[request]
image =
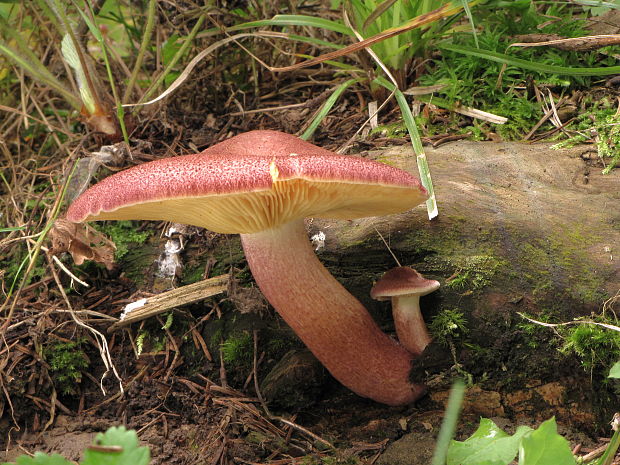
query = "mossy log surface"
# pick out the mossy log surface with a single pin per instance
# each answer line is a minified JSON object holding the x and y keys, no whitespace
{"x":521,"y":229}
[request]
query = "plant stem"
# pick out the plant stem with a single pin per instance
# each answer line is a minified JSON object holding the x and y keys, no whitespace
{"x":146,"y":40}
{"x":177,"y":56}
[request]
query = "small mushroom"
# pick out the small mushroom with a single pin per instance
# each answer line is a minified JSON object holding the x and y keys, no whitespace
{"x":404,"y":286}
{"x":262,"y":184}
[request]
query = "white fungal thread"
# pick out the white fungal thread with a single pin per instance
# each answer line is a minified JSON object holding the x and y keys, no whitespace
{"x":169,"y":262}
{"x":131,"y":307}
{"x":318,"y":240}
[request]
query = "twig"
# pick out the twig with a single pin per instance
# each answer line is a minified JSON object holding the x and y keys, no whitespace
{"x":62,"y":266}
{"x":578,"y":322}
{"x":160,"y":303}
{"x":451,"y":138}
{"x":305,"y":431}
{"x":102,"y":343}
{"x":255,"y":374}
{"x":388,"y":247}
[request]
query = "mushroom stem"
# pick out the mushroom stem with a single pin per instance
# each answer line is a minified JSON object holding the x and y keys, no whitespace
{"x":332,"y":323}
{"x":410,"y":326}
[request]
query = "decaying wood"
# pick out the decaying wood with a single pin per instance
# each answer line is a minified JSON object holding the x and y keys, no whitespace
{"x":522,"y":230}
{"x":502,"y":197}
{"x":174,"y":298}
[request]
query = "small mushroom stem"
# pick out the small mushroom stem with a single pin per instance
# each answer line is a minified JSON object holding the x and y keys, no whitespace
{"x":332,"y":323}
{"x":410,"y":326}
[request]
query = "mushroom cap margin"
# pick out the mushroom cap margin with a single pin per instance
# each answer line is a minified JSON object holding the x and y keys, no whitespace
{"x":249,"y":183}
{"x":400,"y":281}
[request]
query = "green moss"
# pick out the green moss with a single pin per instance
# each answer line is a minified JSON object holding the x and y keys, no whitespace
{"x":150,"y":340}
{"x":238,"y":350}
{"x":601,"y":119}
{"x":560,"y":264}
{"x":548,"y":264}
{"x":217,"y":335}
{"x":228,"y":253}
{"x":67,"y":360}
{"x":192,"y":274}
{"x":598,"y":348}
{"x":392,"y":130}
{"x":277,"y":347}
{"x":329,"y":460}
{"x":470,"y":264}
{"x":474,"y":272}
{"x":138,"y":261}
{"x":16,"y":263}
{"x":386,"y":161}
{"x":125,"y":236}
{"x":448,"y":325}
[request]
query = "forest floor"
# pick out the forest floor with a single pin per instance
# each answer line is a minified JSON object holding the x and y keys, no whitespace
{"x":191,"y":377}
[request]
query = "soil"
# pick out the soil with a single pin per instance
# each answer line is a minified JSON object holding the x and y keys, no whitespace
{"x":190,"y":407}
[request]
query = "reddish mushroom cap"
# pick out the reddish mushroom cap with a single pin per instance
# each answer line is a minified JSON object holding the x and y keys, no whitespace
{"x":400,"y":281}
{"x":251,"y":182}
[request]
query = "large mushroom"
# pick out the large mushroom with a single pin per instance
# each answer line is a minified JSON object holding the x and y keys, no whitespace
{"x":262,"y":184}
{"x":404,"y":286}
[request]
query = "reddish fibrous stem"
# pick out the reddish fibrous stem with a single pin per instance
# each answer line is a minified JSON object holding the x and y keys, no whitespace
{"x":333,"y":324}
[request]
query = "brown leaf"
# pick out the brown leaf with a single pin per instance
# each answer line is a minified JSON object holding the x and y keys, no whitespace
{"x":82,"y":242}
{"x":578,"y":44}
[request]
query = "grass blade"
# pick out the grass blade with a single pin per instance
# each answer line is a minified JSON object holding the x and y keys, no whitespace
{"x":177,"y":56}
{"x":185,"y":74}
{"x":525,"y":64}
{"x":416,"y":142}
{"x":326,"y":107}
{"x":92,"y":26}
{"x":448,"y":425}
{"x":295,"y":20}
{"x":23,"y":57}
{"x":471,"y":21}
{"x":612,"y":448}
{"x":378,"y":11}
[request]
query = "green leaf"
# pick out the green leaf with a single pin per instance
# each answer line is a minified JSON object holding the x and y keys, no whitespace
{"x":170,"y":48}
{"x":489,"y":445}
{"x":545,"y":446}
{"x":40,"y":458}
{"x":129,"y":452}
{"x":615,"y":371}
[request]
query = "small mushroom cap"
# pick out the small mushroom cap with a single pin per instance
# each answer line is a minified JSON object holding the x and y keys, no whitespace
{"x":401,"y":281}
{"x":252,"y":182}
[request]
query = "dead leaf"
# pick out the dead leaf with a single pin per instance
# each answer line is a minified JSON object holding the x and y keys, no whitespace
{"x":579,"y":44}
{"x":82,"y":242}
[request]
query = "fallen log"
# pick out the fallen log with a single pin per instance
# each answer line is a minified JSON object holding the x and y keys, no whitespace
{"x":522,"y":230}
